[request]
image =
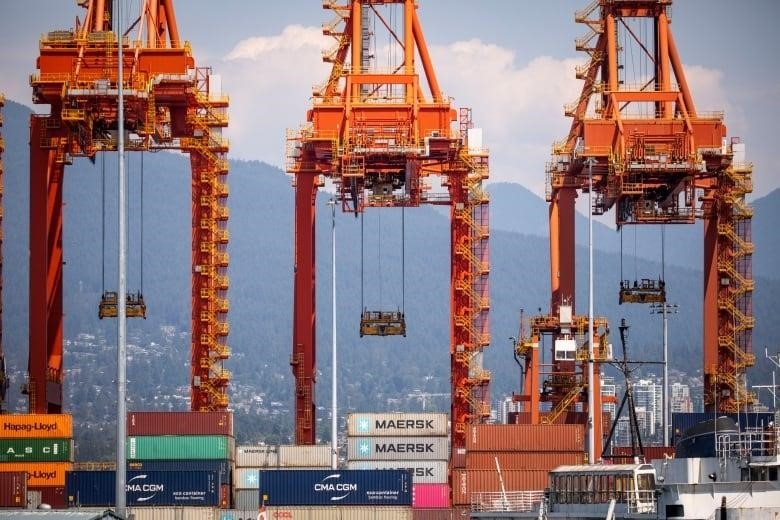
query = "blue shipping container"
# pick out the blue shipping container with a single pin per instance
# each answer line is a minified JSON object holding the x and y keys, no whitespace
{"x":144,"y":488}
{"x":222,"y":467}
{"x":383,"y":487}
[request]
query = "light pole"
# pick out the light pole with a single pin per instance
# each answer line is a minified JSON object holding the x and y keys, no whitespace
{"x":590,"y":161}
{"x":334,"y":417}
{"x":664,"y":309}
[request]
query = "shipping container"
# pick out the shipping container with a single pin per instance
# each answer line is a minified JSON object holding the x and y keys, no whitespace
{"x":304,"y":456}
{"x":397,"y":424}
{"x":523,"y":459}
{"x":246,"y":499}
{"x":436,"y":514}
{"x":47,"y":426}
{"x":53,"y":496}
{"x":179,"y":423}
{"x":13,"y":489}
{"x":36,"y":450}
{"x":41,"y":474}
{"x":180,"y":447}
{"x":623,"y":454}
{"x":175,"y":513}
{"x":459,"y":458}
{"x":222,"y":468}
{"x":423,"y":471}
{"x":430,"y":495}
{"x":336,"y":487}
{"x":468,"y":481}
{"x":569,"y":417}
{"x":165,"y":488}
{"x":257,"y":456}
{"x":525,"y":437}
{"x":398,"y":448}
{"x":317,"y":513}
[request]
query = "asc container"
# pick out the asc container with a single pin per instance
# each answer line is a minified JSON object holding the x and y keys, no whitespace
{"x":525,"y":437}
{"x":423,"y":471}
{"x":36,"y":450}
{"x":398,"y":448}
{"x":468,"y":481}
{"x":13,"y":489}
{"x":221,"y":467}
{"x":180,"y":423}
{"x":41,"y":474}
{"x":304,"y":456}
{"x":336,"y":487}
{"x":50,"y":426}
{"x":176,"y":447}
{"x":148,"y":488}
{"x":257,"y":456}
{"x":397,"y":424}
{"x":430,"y":495}
{"x":316,"y":513}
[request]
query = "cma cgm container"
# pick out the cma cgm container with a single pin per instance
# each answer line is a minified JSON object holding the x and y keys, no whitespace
{"x":180,"y":447}
{"x":41,"y":474}
{"x":423,"y":471}
{"x":51,"y":426}
{"x":36,"y":450}
{"x":179,"y":423}
{"x":397,"y":424}
{"x":147,"y":488}
{"x":336,"y":487}
{"x":13,"y":489}
{"x":398,"y":448}
{"x":525,"y":437}
{"x":317,"y":513}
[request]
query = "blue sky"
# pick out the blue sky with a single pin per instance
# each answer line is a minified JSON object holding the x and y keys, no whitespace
{"x":511,"y":61}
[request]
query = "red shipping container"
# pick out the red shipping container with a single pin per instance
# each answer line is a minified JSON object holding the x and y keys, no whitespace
{"x":523,"y":459}
{"x":13,"y":489}
{"x":526,"y":437}
{"x":468,"y":481}
{"x":179,"y":423}
{"x":54,"y":496}
{"x":430,"y":495}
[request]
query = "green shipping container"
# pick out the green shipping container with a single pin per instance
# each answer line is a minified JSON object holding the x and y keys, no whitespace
{"x":36,"y":450}
{"x":180,"y":447}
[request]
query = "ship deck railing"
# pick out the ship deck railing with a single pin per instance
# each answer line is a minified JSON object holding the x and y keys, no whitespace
{"x":509,"y":501}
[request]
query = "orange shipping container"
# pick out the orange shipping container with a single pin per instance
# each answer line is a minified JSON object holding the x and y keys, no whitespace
{"x":623,"y":453}
{"x":41,"y":474}
{"x":526,"y":437}
{"x":42,"y":426}
{"x":523,"y":459}
{"x":468,"y":481}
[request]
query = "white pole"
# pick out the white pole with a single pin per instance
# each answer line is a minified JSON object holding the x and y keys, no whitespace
{"x":334,"y":416}
{"x":591,"y":394}
{"x":666,"y":400}
{"x":121,"y":426}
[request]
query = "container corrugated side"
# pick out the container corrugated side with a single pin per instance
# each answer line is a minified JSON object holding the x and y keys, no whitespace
{"x":523,"y":459}
{"x":176,"y":513}
{"x":48,"y":426}
{"x":222,"y":467}
{"x":435,"y":514}
{"x":398,"y":448}
{"x":423,"y":471}
{"x":385,"y":487}
{"x":246,"y":500}
{"x":54,"y":496}
{"x":180,"y":423}
{"x":623,"y":453}
{"x":41,"y":474}
{"x":257,"y":456}
{"x":304,"y":456}
{"x":247,"y":478}
{"x":430,"y":495}
{"x":468,"y":481}
{"x":164,"y":488}
{"x":317,"y":513}
{"x":184,"y":447}
{"x":397,"y":424}
{"x":13,"y":489}
{"x":36,"y":450}
{"x":525,"y":437}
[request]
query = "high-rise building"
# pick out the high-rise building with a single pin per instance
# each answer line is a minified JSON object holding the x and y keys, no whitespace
{"x":680,"y":398}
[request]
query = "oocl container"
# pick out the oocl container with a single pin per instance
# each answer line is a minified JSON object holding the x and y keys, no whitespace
{"x":179,"y":423}
{"x":36,"y":450}
{"x":423,"y":471}
{"x":397,"y":424}
{"x":51,"y":426}
{"x":336,"y":487}
{"x":180,"y":447}
{"x":525,"y":437}
{"x":13,"y":489}
{"x":41,"y":474}
{"x":398,"y":448}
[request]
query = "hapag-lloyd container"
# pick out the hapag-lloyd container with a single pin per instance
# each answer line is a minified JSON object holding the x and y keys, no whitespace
{"x":525,"y":437}
{"x":41,"y":474}
{"x":13,"y":489}
{"x":36,"y":450}
{"x":423,"y":471}
{"x":179,"y":423}
{"x":430,"y":495}
{"x":397,"y":424}
{"x":468,"y":481}
{"x":24,"y":426}
{"x":311,"y":513}
{"x":180,"y":447}
{"x":398,"y":448}
{"x":287,"y":487}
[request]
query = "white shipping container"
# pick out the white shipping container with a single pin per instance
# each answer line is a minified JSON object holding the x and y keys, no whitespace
{"x":246,"y":500}
{"x":173,"y":513}
{"x":257,"y":456}
{"x":423,"y":471}
{"x":397,"y":424}
{"x":322,"y":513}
{"x":291,"y":456}
{"x":247,"y":478}
{"x":398,"y":448}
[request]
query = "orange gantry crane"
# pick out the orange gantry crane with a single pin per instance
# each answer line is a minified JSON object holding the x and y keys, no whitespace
{"x":380,"y":137}
{"x":169,"y":104}
{"x":653,"y":157}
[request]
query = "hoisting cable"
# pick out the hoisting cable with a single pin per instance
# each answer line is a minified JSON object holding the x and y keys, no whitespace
{"x":103,"y":223}
{"x":403,"y":259}
{"x":362,"y":261}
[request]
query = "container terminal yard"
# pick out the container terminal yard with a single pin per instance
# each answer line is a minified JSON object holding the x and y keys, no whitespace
{"x":383,"y":139}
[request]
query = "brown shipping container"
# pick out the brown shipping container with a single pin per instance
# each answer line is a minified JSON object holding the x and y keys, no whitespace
{"x":651,"y":452}
{"x":468,"y":481}
{"x":433,"y":514}
{"x":179,"y":423}
{"x":13,"y":489}
{"x":459,"y":458}
{"x":41,"y":474}
{"x":42,"y":426}
{"x":525,"y":437}
{"x":54,"y":496}
{"x":523,"y":459}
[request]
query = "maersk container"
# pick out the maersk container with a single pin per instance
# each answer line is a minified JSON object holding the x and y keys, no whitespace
{"x":49,"y":426}
{"x":180,"y":447}
{"x":257,"y":456}
{"x":291,"y":456}
{"x":222,"y":468}
{"x":398,"y":448}
{"x":336,"y":487}
{"x":397,"y":424}
{"x":36,"y":450}
{"x":147,"y":488}
{"x":423,"y":471}
{"x":316,"y":513}
{"x":13,"y":489}
{"x":180,"y":423}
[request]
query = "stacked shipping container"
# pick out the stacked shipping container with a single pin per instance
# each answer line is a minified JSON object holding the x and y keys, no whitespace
{"x":41,"y":447}
{"x":415,"y":441}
